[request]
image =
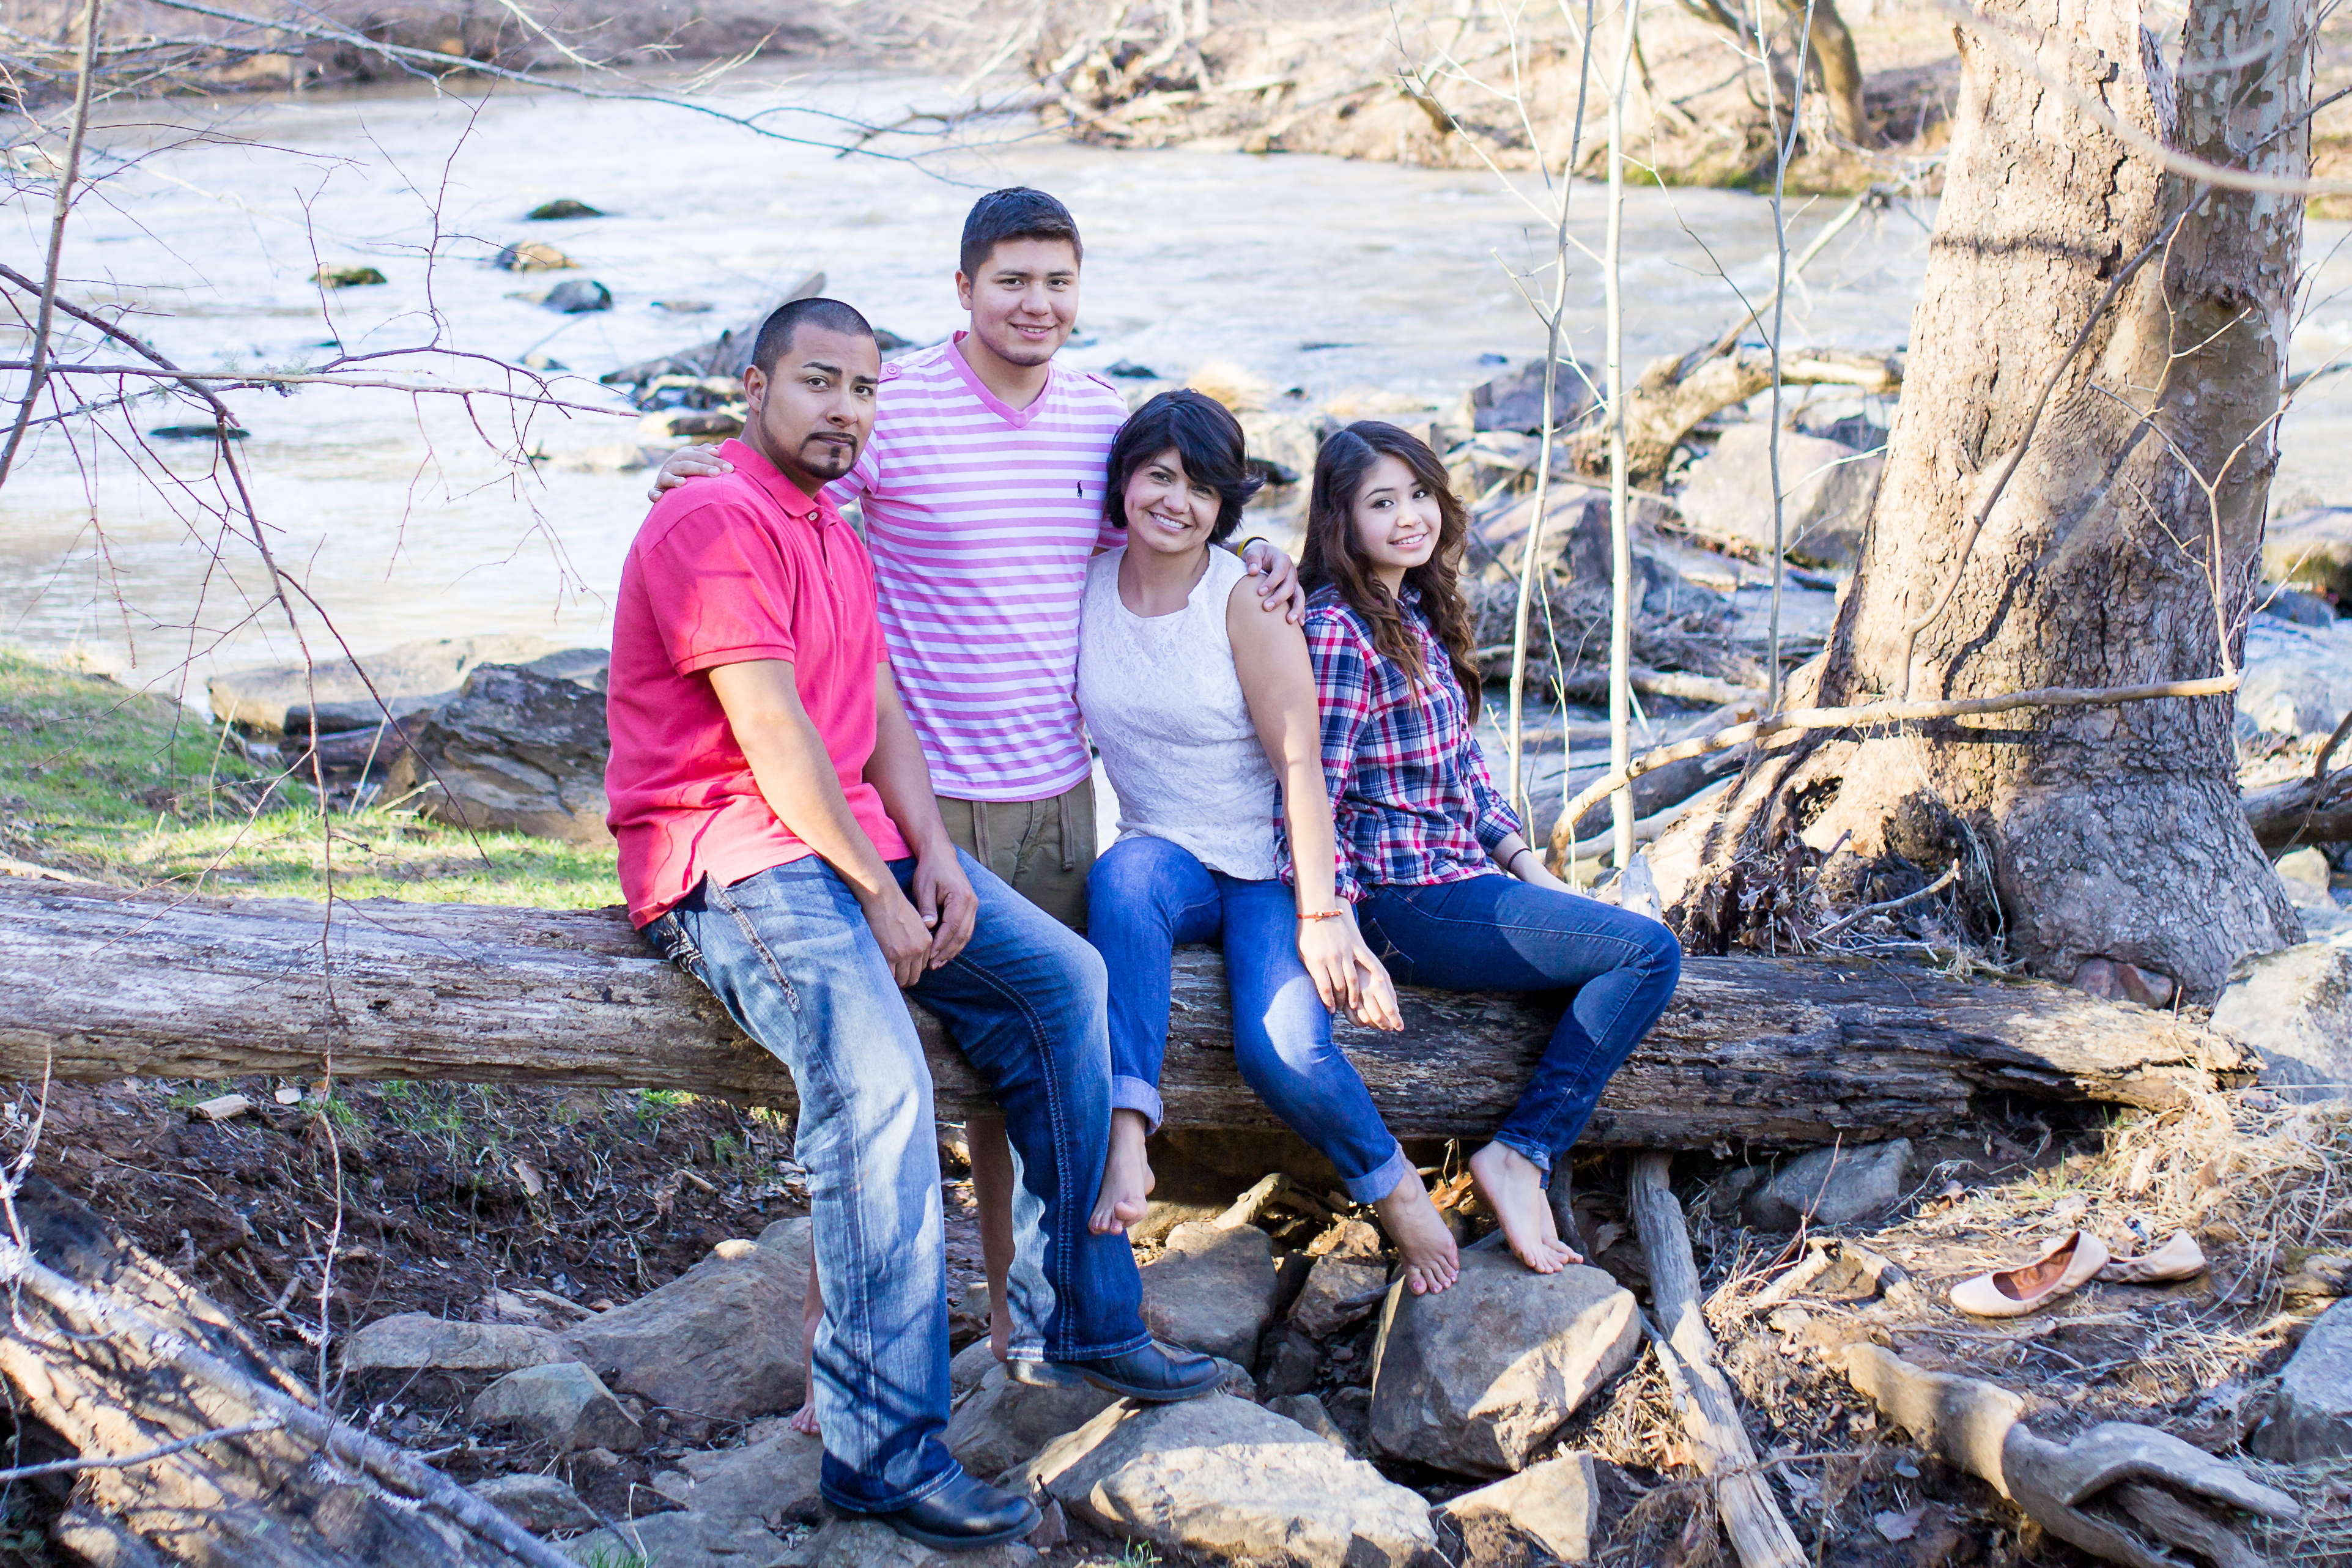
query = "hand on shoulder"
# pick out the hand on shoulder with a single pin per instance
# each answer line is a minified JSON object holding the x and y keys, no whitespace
{"x":689,"y":463}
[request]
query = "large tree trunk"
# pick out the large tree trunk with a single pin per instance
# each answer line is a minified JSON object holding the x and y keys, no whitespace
{"x":2085,"y":833}
{"x":98,"y":983}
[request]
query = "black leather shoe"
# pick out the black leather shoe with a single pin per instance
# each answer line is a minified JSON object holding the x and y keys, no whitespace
{"x":1155,"y":1375}
{"x":965,"y":1515}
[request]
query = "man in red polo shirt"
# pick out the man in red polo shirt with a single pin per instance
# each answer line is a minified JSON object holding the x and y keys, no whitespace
{"x":779,"y":840}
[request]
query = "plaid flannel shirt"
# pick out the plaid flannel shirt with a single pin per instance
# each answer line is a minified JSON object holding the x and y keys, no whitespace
{"x":1410,"y":798}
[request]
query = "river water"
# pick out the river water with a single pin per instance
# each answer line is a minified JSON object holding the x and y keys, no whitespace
{"x":404,"y":517}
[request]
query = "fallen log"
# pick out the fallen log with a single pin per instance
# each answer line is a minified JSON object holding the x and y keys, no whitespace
{"x":194,"y":1446}
{"x":1703,"y":1395}
{"x":100,"y":982}
{"x":2302,"y":811}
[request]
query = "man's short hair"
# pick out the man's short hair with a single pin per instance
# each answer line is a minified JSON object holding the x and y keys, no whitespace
{"x":1014,"y":212}
{"x":775,"y":339}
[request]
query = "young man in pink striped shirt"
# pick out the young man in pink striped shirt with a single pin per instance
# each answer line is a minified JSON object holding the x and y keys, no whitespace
{"x":981,"y":493}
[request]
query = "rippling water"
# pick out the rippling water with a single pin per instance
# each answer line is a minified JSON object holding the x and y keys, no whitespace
{"x":402,"y":521}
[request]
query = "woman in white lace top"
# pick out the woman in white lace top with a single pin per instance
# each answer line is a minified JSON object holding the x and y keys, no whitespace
{"x":1203,"y":708}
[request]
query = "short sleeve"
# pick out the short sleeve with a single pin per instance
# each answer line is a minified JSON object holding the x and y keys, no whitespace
{"x":720,"y":591}
{"x":856,"y":485}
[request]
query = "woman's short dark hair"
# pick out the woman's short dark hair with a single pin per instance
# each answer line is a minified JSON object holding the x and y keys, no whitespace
{"x":1204,"y":435}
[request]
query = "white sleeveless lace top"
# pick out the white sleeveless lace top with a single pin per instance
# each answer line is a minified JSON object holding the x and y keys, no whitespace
{"x":1165,"y":707}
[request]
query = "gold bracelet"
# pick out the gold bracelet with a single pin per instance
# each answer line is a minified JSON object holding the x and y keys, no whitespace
{"x":1323,"y":915}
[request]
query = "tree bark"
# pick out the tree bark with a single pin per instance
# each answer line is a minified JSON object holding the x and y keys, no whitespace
{"x":263,"y":1500}
{"x":1840,"y":69}
{"x":2122,"y":548}
{"x":101,"y":983}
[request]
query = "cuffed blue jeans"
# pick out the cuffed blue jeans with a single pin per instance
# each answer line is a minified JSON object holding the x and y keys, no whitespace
{"x":1146,"y":895}
{"x":1497,"y":933}
{"x":790,"y":954}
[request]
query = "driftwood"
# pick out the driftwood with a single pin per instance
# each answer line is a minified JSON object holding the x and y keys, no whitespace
{"x":1676,"y":393}
{"x":111,"y":1357}
{"x":2302,"y":811}
{"x":1703,"y":1396}
{"x":101,"y":983}
{"x":2126,"y":1492}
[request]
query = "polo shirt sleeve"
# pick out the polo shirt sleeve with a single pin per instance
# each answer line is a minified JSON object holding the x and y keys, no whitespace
{"x":719,"y":590}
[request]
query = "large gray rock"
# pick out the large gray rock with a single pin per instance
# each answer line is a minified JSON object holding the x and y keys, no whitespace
{"x":521,"y":749}
{"x":1308,"y":1411}
{"x":1826,"y":490}
{"x":2312,"y":1418}
{"x":684,"y":1540}
{"x":862,"y":1543}
{"x":1212,"y":1289}
{"x":1338,"y":1292}
{"x":1836,"y":1186}
{"x":541,"y":1504}
{"x":2296,"y":680}
{"x":721,"y":1342}
{"x":1005,"y":1423}
{"x":1474,"y":1379}
{"x":270,"y":700}
{"x":2310,"y":549}
{"x":1554,"y":1506}
{"x":773,"y":1479}
{"x":2294,"y":1007}
{"x":416,"y":1341}
{"x":1231,"y":1480}
{"x":1514,"y":401}
{"x":562,"y":1403}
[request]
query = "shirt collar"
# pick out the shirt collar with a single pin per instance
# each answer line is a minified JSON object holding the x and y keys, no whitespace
{"x":818,"y":511}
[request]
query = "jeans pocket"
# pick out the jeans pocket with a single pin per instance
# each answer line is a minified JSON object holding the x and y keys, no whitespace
{"x":668,"y":937}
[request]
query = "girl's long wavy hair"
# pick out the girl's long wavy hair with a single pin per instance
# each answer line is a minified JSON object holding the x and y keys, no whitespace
{"x":1331,"y":558}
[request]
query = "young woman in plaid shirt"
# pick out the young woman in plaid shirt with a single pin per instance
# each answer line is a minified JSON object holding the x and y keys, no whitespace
{"x":1445,"y":886}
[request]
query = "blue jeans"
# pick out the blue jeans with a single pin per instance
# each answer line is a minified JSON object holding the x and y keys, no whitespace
{"x":1497,"y":933}
{"x":790,"y":953}
{"x":1146,"y":895}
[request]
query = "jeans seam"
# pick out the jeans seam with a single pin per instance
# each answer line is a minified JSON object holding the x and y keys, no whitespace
{"x":1056,"y":1115}
{"x":759,"y":945}
{"x":821,"y":1067}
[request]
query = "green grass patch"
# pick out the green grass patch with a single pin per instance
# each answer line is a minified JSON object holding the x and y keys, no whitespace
{"x":124,"y":787}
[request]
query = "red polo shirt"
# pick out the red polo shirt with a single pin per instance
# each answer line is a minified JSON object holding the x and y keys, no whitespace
{"x":725,"y":571}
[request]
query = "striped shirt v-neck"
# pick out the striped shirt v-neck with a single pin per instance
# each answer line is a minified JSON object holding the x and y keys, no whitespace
{"x":981,"y":520}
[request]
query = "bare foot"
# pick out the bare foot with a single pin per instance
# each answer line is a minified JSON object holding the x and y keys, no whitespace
{"x":804,"y":1419}
{"x":1127,"y":1177}
{"x":1509,"y":1184}
{"x":1424,"y":1246}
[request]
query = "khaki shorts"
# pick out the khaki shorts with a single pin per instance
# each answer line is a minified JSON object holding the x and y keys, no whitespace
{"x":1044,"y":848}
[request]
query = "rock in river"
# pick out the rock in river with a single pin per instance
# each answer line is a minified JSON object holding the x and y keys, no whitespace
{"x":578,"y":297}
{"x":1474,"y":1379}
{"x":520,"y":749}
{"x":1826,"y":491}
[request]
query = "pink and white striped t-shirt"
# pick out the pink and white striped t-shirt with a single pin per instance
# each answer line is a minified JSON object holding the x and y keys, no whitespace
{"x":981,"y":520}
